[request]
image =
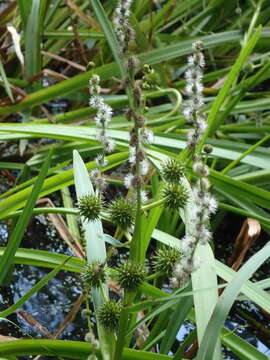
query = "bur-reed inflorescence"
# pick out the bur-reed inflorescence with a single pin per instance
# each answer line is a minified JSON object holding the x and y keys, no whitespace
{"x":123,"y":30}
{"x":172,"y":171}
{"x":175,"y":196}
{"x":203,"y":203}
{"x":102,"y":119}
{"x":109,"y":314}
{"x":94,"y":274}
{"x":122,"y":212}
{"x":166,"y":259}
{"x":130,"y":275}
{"x":90,"y":207}
{"x":139,"y":135}
{"x":194,"y":89}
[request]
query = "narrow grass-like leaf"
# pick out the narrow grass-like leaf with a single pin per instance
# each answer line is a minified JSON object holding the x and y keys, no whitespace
{"x":52,"y":184}
{"x":34,"y":290}
{"x":233,"y":74}
{"x":252,"y":290}
{"x":17,"y":234}
{"x":178,"y":316}
{"x":46,"y":259}
{"x":109,"y":34}
{"x":33,"y":38}
{"x":150,"y":57}
{"x":5,"y":82}
{"x":68,"y":349}
{"x":224,"y":304}
{"x":25,"y":8}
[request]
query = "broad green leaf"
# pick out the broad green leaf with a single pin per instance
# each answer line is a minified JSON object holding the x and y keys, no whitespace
{"x":95,"y":251}
{"x":95,"y":245}
{"x":204,"y":302}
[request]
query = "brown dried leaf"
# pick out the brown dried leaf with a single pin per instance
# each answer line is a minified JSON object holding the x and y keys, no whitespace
{"x":249,"y":232}
{"x":7,"y":338}
{"x":35,"y":324}
{"x":62,"y":228}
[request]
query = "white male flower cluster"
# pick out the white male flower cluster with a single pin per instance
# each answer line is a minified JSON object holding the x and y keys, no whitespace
{"x":137,"y":158}
{"x":123,"y":30}
{"x":103,"y":115}
{"x":194,"y":90}
{"x":102,"y":119}
{"x":204,"y":204}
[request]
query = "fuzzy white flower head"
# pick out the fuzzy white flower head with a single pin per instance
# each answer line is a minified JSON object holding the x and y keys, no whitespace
{"x":191,"y":61}
{"x":205,"y":236}
{"x":104,"y":114}
{"x":187,"y":244}
{"x":144,"y":196}
{"x":101,"y":161}
{"x":96,"y":101}
{"x":98,"y":180}
{"x":212,"y":205}
{"x":128,"y":181}
{"x":202,"y":126}
{"x":199,"y":87}
{"x":121,"y":23}
{"x":179,"y":268}
{"x":94,"y":87}
{"x":188,"y":113}
{"x":144,"y":166}
{"x":200,"y":168}
{"x":132,"y":155}
{"x":109,"y":145}
{"x":147,"y":136}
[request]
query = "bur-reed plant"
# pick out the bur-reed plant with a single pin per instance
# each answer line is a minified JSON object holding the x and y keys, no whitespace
{"x":164,"y":201}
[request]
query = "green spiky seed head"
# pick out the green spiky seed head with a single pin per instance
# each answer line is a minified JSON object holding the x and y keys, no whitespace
{"x":109,"y":314}
{"x":176,"y":196}
{"x":166,"y":259}
{"x":90,"y":207}
{"x":94,"y":273}
{"x":122,"y":213}
{"x":172,"y":171}
{"x":131,"y":275}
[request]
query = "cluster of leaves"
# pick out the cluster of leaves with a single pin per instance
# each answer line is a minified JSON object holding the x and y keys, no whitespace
{"x":237,"y":109}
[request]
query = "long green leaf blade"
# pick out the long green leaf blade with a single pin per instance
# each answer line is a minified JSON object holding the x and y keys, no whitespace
{"x":17,"y":234}
{"x":224,"y":304}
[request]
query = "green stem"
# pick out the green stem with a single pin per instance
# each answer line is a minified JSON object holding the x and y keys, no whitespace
{"x":252,"y":23}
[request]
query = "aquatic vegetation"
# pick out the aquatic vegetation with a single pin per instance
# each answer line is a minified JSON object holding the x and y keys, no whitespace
{"x":160,"y":135}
